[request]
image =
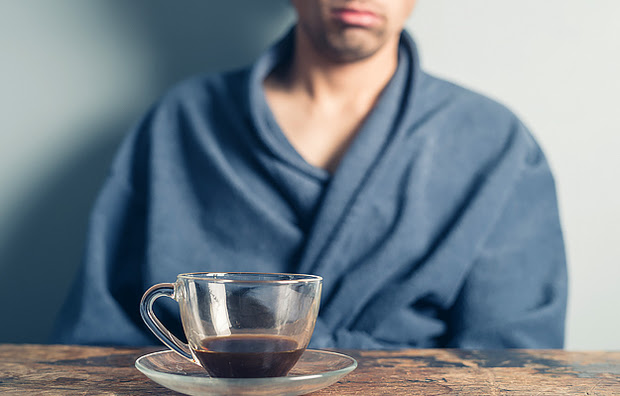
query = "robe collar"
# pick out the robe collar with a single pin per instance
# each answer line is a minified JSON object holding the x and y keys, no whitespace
{"x":384,"y":127}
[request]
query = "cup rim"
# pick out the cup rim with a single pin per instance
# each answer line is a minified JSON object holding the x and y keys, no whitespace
{"x":276,"y":277}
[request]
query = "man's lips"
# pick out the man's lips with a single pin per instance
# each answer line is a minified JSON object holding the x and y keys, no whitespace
{"x":353,"y":17}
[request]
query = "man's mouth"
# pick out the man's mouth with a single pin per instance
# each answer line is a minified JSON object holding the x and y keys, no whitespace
{"x":356,"y":17}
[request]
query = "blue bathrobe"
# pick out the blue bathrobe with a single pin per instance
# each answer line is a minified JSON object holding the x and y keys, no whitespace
{"x":439,"y":227}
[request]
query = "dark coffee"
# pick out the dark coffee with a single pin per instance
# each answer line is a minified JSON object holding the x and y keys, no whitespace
{"x":248,"y":356}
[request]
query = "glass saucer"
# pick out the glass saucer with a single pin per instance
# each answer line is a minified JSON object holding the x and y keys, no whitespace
{"x":315,"y":370}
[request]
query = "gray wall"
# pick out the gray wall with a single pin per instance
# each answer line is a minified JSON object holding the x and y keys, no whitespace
{"x":75,"y":75}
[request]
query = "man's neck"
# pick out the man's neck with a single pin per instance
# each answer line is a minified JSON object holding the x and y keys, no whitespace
{"x":321,"y":104}
{"x":324,"y":81}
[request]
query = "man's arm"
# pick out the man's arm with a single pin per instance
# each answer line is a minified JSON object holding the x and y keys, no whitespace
{"x":110,"y":276}
{"x":515,"y":294}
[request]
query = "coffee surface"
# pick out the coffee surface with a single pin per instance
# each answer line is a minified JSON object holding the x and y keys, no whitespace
{"x":248,"y":356}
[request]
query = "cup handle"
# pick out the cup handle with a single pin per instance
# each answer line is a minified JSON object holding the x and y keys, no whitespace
{"x":164,"y":335}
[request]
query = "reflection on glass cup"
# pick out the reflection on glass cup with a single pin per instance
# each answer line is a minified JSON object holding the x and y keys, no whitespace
{"x":242,"y":325}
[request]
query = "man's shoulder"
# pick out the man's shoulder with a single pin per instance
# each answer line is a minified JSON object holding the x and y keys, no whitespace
{"x":468,"y":120}
{"x":198,"y":105}
{"x":461,"y":101}
{"x":206,"y":87}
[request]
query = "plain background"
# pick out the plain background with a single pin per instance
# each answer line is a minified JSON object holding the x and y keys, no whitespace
{"x":75,"y":75}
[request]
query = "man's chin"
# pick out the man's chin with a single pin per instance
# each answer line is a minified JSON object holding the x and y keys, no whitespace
{"x":353,"y":45}
{"x":350,"y":55}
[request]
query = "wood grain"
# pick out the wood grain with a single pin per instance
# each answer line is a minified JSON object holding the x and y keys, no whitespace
{"x":72,"y":370}
{"x":459,"y":372}
{"x":75,"y":370}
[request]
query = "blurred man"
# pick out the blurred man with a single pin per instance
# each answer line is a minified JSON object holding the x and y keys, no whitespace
{"x":429,"y":210}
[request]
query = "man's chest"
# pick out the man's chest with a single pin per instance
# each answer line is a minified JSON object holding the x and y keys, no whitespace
{"x":321,"y":134}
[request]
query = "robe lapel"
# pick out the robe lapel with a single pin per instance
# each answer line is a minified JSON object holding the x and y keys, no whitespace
{"x":382,"y":129}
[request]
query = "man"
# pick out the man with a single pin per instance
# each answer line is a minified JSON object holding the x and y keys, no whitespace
{"x":429,"y":210}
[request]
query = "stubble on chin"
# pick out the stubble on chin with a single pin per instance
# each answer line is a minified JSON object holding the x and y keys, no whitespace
{"x":344,"y":44}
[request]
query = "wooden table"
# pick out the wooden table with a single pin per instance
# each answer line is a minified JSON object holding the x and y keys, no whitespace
{"x":74,"y":370}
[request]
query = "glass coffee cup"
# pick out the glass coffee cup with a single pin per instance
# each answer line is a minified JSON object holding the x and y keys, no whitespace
{"x":239,"y":325}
